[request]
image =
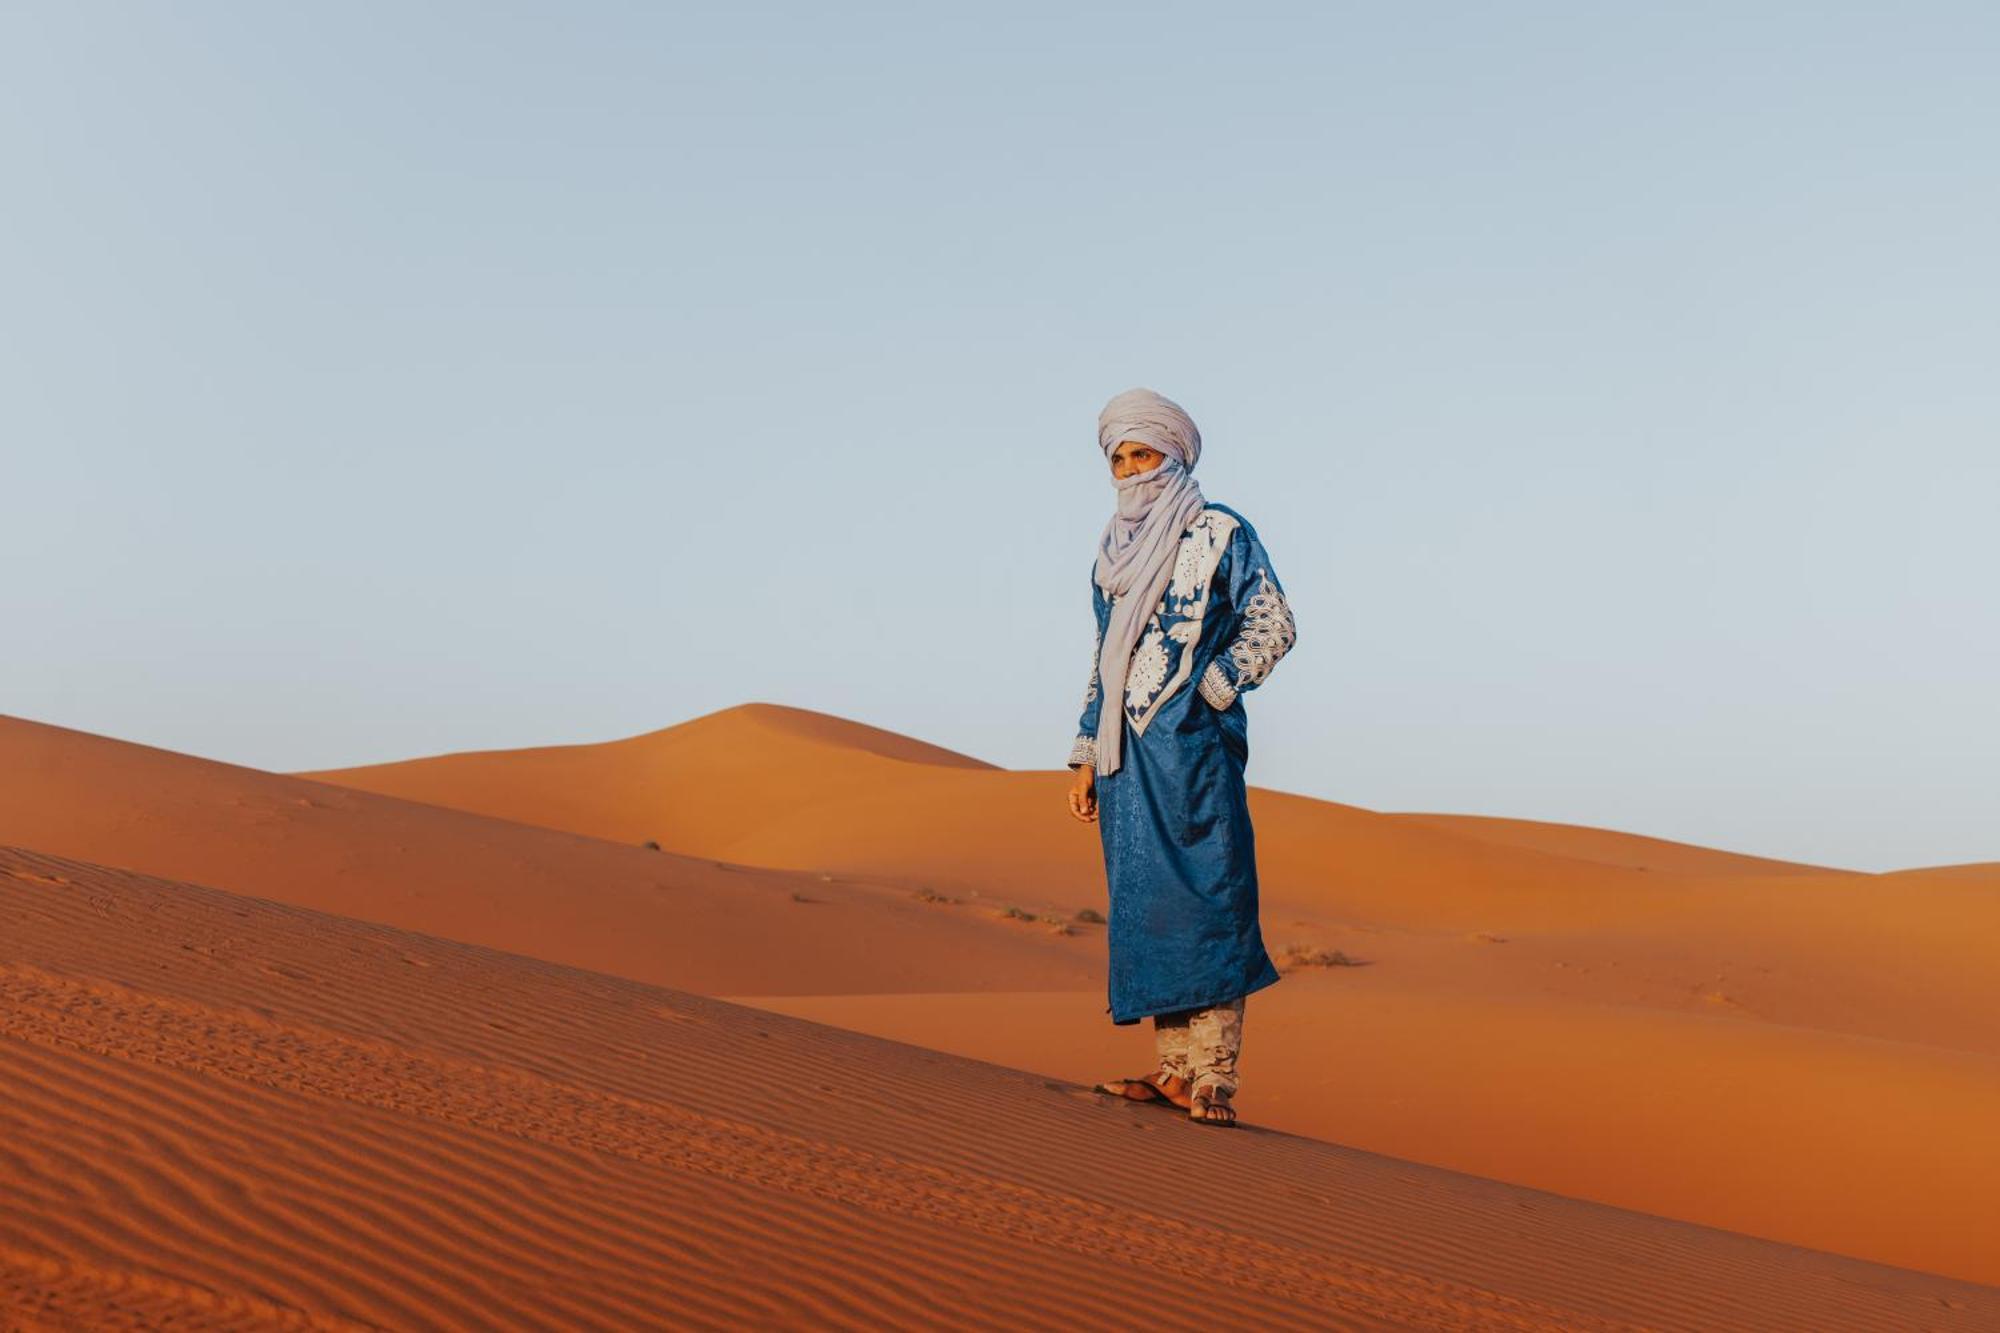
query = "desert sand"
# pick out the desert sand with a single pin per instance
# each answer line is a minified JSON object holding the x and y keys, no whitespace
{"x":455,"y":978}
{"x":1796,"y":1052}
{"x":224,"y":1111}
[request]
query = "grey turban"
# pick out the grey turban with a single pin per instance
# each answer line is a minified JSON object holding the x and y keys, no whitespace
{"x":1150,"y":418}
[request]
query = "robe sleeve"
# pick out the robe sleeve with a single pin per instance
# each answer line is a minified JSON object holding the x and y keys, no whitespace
{"x":1264,"y":630}
{"x":1084,"y":749}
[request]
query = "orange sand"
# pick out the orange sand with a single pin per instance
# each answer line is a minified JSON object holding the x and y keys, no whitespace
{"x":223,"y":1111}
{"x":1803,"y":1054}
{"x":1807,"y":1054}
{"x":652,"y":916}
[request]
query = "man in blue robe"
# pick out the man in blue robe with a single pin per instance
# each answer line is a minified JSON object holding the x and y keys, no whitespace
{"x":1190,"y":618}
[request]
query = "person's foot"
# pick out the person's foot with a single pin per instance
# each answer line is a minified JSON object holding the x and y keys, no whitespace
{"x":1210,"y":1106}
{"x":1158,"y":1086}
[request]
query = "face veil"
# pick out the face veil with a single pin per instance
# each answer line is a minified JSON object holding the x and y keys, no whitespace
{"x":1135,"y":555}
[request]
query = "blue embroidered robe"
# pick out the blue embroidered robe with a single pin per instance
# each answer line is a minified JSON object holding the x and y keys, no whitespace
{"x":1179,"y":854}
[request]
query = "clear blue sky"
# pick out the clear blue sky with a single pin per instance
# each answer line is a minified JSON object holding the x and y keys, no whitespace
{"x":1614,"y":386}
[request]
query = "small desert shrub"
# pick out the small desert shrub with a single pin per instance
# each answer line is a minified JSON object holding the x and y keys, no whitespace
{"x":1012,"y":913}
{"x":1061,"y":927}
{"x":798,"y":897}
{"x":931,"y":896}
{"x":1090,"y":916}
{"x":650,"y":845}
{"x":1305,"y":955}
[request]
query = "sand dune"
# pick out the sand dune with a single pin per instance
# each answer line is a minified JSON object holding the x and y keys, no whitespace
{"x":1979,"y":874}
{"x":701,"y":787}
{"x":1607,"y":847}
{"x":1861,"y":1146}
{"x":783,"y":787}
{"x":221,"y":1111}
{"x":1586,"y":914}
{"x":653,"y":916}
{"x":1758,"y":995}
{"x":1703,"y":1035}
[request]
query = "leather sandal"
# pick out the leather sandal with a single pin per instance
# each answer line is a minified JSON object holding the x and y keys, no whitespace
{"x":1211,"y":1106}
{"x":1156,"y":1088}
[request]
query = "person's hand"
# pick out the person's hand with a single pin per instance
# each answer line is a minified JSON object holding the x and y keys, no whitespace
{"x":1083,"y":794}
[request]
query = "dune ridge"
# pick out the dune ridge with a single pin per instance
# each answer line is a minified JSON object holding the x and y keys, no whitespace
{"x":775,"y":786}
{"x":687,"y":921}
{"x":1611,"y":847}
{"x":1754,"y":993}
{"x":230,"y":1111}
{"x":1630,"y":1021}
{"x":678,"y":785}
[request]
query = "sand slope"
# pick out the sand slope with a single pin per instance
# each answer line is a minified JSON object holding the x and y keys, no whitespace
{"x":1611,"y":848}
{"x":1719,"y":1037}
{"x":1586,"y":915}
{"x":1804,"y":1055}
{"x":784,"y":787}
{"x":1862,"y":1147}
{"x":702,"y":787}
{"x":654,"y":916}
{"x":227,"y":1112}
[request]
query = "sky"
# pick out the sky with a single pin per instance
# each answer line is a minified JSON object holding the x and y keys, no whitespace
{"x":1613,"y":386}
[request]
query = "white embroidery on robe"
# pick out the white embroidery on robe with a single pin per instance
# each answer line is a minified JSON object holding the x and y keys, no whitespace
{"x":1096,"y":650}
{"x":1148,"y":671}
{"x":1084,"y":749}
{"x":1214,"y":686}
{"x":1157,"y":669}
{"x":1267,"y":634}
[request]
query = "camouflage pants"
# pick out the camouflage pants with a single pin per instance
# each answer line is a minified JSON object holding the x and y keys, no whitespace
{"x":1200,"y":1045}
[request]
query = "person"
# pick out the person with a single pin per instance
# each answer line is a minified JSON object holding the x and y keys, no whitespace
{"x":1190,"y":618}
